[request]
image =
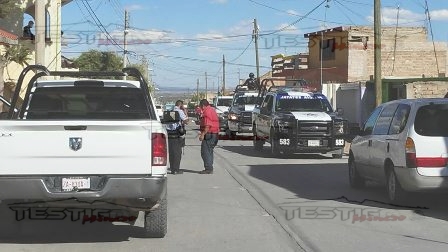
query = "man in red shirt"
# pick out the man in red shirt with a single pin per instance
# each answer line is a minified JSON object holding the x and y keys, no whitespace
{"x":209,"y":135}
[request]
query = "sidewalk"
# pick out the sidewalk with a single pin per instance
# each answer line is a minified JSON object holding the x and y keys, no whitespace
{"x":212,"y":212}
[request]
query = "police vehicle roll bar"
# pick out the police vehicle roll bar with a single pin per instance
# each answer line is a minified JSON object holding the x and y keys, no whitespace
{"x":43,"y":71}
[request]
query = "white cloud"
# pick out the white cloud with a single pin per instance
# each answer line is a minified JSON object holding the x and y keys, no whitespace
{"x":133,"y":7}
{"x":134,"y":37}
{"x":243,"y":27}
{"x":286,"y":28}
{"x":218,"y":1}
{"x":207,"y":50}
{"x":389,"y":17}
{"x":210,"y":35}
{"x":292,"y":12}
{"x":441,"y":14}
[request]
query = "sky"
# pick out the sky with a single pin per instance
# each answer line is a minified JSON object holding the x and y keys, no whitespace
{"x":184,"y":41}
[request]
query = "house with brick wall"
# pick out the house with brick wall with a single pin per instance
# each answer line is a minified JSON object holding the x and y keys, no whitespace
{"x":341,"y":59}
{"x":346,"y":54}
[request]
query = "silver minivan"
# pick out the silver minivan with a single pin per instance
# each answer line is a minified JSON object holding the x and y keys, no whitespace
{"x":404,"y":145}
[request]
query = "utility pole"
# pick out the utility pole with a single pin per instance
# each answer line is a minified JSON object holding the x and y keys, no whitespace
{"x":218,"y":91}
{"x":377,"y":52}
{"x":126,"y":25}
{"x":223,"y":75}
{"x":197,"y":91}
{"x":239,"y":76}
{"x":255,"y":37}
{"x":206,"y":88}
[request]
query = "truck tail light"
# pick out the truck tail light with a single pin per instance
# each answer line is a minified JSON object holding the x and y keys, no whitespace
{"x":159,"y":149}
{"x":411,"y":156}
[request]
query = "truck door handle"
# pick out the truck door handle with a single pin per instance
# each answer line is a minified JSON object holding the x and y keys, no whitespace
{"x":387,"y":147}
{"x":79,"y":127}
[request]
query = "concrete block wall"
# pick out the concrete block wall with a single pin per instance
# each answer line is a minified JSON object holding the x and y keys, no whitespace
{"x":423,"y":89}
{"x":412,"y":55}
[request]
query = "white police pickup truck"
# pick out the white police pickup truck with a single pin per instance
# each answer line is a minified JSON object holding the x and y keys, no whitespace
{"x":86,"y":143}
{"x":298,"y":122}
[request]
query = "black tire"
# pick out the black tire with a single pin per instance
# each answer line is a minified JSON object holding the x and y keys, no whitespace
{"x":395,"y":192}
{"x":356,"y":181}
{"x":258,"y":143}
{"x":275,"y":151}
{"x":230,"y":134}
{"x":156,"y":221}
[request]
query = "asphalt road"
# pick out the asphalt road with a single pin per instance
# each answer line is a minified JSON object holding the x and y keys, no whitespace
{"x":254,"y":202}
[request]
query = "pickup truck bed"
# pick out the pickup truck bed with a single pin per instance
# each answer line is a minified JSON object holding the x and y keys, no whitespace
{"x":82,"y":141}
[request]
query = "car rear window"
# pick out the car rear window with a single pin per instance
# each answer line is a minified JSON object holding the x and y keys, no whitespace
{"x":432,"y":120}
{"x":79,"y":103}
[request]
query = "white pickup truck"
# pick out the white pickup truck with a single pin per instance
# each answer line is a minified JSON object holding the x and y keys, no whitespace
{"x":87,"y":143}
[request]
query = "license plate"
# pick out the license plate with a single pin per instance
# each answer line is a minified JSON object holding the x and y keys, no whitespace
{"x":313,"y":142}
{"x":68,"y":184}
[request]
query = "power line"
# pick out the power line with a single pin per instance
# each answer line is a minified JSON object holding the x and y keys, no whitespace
{"x":241,"y":54}
{"x":350,"y":10}
{"x":432,"y":35}
{"x":395,"y":40}
{"x":200,"y":60}
{"x":295,"y":22}
{"x":293,"y":14}
{"x":99,"y":24}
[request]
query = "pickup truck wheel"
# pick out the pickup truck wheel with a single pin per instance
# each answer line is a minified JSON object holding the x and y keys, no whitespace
{"x":258,"y":143}
{"x":156,"y":221}
{"x":356,"y":181}
{"x":275,"y":151}
{"x":230,"y":134}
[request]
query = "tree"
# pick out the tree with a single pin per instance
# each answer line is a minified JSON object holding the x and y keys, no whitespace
{"x":195,"y":97}
{"x":6,"y":7}
{"x":15,"y":53}
{"x":95,"y":60}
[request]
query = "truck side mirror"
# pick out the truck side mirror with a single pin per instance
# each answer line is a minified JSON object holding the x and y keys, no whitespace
{"x":170,"y":117}
{"x":339,"y":111}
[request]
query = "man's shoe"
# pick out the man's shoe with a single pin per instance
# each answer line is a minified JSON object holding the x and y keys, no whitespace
{"x":173,"y":172}
{"x":206,"y":172}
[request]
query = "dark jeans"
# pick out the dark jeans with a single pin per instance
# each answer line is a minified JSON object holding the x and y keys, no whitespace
{"x":207,"y":147}
{"x":175,"y":152}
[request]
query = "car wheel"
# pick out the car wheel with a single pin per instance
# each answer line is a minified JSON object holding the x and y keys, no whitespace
{"x":356,"y":181}
{"x":395,"y":192}
{"x":156,"y":221}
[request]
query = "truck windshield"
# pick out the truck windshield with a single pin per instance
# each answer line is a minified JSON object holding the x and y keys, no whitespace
{"x":224,"y":102}
{"x":95,"y":103}
{"x":288,"y":103}
{"x":244,"y":100}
